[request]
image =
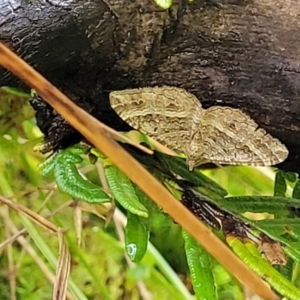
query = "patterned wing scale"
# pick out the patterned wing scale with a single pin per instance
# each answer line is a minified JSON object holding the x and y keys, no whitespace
{"x":232,"y":137}
{"x":160,"y":112}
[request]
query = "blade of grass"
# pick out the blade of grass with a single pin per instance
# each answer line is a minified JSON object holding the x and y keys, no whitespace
{"x":46,"y":251}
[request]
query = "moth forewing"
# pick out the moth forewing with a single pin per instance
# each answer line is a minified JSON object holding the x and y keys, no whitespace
{"x":160,"y":112}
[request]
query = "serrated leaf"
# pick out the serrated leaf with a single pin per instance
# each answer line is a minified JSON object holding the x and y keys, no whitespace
{"x":281,"y":207}
{"x":124,"y":192}
{"x":71,"y":182}
{"x":252,"y":257}
{"x":136,"y":237}
{"x":199,"y":262}
{"x":68,"y":179}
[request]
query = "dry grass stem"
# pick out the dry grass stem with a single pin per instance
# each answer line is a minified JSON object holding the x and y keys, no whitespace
{"x":12,"y":238}
{"x":9,"y":250}
{"x":62,"y":270}
{"x":30,"y":250}
{"x":36,"y":218}
{"x":77,"y":217}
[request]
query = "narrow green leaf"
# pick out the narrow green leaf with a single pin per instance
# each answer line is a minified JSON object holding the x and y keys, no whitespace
{"x":71,"y":182}
{"x":296,"y":191}
{"x":273,"y":277}
{"x":287,"y":270}
{"x":280,"y":184}
{"x":124,"y":191}
{"x":136,"y":237}
{"x":68,"y":178}
{"x":205,"y":185}
{"x":251,"y":256}
{"x":151,"y":206}
{"x":281,"y":207}
{"x":78,"y":149}
{"x":199,"y":262}
{"x":71,"y":154}
{"x":48,"y":165}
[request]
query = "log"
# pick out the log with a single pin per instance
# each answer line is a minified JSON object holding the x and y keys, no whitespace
{"x":238,"y":53}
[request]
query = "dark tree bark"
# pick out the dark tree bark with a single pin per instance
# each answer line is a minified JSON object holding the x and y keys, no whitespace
{"x":238,"y":53}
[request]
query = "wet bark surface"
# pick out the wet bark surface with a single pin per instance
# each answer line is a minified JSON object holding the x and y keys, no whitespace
{"x":238,"y":53}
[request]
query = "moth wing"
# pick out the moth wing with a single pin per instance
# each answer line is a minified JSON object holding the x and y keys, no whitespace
{"x":232,"y":137}
{"x":160,"y":112}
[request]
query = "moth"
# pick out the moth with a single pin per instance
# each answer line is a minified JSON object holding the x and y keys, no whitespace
{"x":176,"y":119}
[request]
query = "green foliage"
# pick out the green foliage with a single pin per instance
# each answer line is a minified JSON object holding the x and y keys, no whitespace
{"x":280,"y":184}
{"x":95,"y":270}
{"x":199,"y":261}
{"x":281,"y":207}
{"x":142,"y":213}
{"x":140,"y":220}
{"x":14,"y":108}
{"x":202,"y":183}
{"x":252,"y":257}
{"x":285,"y":231}
{"x":99,"y":270}
{"x":69,"y":180}
{"x":136,"y":237}
{"x":124,"y":192}
{"x":296,"y":191}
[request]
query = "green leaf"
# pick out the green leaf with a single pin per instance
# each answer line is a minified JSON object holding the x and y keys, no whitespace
{"x":199,"y":261}
{"x":204,"y":185}
{"x":290,"y":176}
{"x":287,"y":270}
{"x":252,"y":257}
{"x":296,"y":190}
{"x":281,"y":207}
{"x":286,"y":231}
{"x":124,"y":191}
{"x":69,"y":180}
{"x":48,"y":165}
{"x":273,"y":277}
{"x":280,"y":184}
{"x":136,"y":237}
